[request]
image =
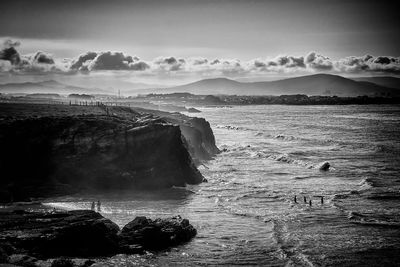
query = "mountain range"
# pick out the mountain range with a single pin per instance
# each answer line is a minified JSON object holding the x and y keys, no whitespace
{"x":318,"y":84}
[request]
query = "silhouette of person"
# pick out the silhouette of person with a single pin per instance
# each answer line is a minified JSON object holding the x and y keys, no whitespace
{"x":93,"y":206}
{"x":322,"y":199}
{"x":310,"y":203}
{"x":295,"y":199}
{"x":305,"y":199}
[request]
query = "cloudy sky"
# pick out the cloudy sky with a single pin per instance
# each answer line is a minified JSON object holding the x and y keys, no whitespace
{"x":173,"y":41}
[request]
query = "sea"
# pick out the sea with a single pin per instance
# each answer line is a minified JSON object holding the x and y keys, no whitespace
{"x":268,"y":202}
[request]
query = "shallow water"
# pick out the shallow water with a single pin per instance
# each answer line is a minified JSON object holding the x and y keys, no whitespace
{"x":246,"y":214}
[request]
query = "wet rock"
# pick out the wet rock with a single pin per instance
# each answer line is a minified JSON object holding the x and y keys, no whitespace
{"x":324,"y":166}
{"x":156,"y":234}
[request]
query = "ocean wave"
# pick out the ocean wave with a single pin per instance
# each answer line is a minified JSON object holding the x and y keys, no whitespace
{"x":384,"y":221}
{"x":284,"y":137}
{"x":287,"y":248}
{"x":367,"y":183}
{"x":323,"y":166}
{"x":235,"y":128}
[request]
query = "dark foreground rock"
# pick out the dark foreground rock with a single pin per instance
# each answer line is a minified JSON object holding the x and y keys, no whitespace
{"x":73,"y":233}
{"x":25,"y":236}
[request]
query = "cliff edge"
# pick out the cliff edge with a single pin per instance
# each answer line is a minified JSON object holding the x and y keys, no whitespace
{"x":56,"y":150}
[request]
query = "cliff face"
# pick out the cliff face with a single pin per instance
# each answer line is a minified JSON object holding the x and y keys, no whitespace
{"x":197,"y":132}
{"x":50,"y":155}
{"x":201,"y":140}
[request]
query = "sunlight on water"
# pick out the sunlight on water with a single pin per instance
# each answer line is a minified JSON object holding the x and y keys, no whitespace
{"x":246,"y":213}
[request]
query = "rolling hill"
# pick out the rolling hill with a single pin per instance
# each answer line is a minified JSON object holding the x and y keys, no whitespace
{"x":318,"y":84}
{"x":386,"y":81}
{"x":50,"y":86}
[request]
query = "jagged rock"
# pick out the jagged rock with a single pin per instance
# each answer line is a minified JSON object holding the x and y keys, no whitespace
{"x":156,"y":234}
{"x":200,"y":138}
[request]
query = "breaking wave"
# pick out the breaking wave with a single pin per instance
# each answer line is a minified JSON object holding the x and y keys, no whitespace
{"x":384,"y":221}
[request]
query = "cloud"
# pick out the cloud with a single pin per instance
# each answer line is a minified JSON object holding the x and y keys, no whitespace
{"x":290,"y":61}
{"x":9,"y":53}
{"x":369,"y":63}
{"x":44,"y":58}
{"x":12,"y":61}
{"x":318,"y":62}
{"x":78,"y":63}
{"x":168,"y":64}
{"x":110,"y":61}
{"x":92,"y":61}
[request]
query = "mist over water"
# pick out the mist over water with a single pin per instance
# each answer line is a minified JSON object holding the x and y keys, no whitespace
{"x":246,"y":214}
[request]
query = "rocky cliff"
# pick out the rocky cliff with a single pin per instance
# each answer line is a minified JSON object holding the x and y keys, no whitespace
{"x":109,"y":149}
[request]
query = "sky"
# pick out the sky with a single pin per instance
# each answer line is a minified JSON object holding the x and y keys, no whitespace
{"x":179,"y":40}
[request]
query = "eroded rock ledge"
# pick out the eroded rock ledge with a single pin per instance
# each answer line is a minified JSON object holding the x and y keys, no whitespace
{"x":84,"y":233}
{"x":52,"y":150}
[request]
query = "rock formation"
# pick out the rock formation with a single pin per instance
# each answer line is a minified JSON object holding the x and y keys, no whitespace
{"x":115,"y":148}
{"x":143,"y":232}
{"x":29,"y":235}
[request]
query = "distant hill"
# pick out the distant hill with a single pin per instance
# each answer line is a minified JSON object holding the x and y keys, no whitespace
{"x":45,"y":87}
{"x":386,"y":81}
{"x":318,"y":84}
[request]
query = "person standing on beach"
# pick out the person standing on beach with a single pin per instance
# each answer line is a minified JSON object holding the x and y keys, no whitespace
{"x":93,"y":206}
{"x":98,"y":206}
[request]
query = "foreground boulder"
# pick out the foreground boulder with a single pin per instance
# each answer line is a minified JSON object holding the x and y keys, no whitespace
{"x":156,"y":234}
{"x":72,"y":233}
{"x":84,"y":233}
